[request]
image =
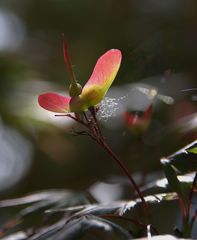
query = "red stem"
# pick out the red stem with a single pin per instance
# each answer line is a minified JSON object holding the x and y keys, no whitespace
{"x":190,"y":197}
{"x":193,"y":219}
{"x":125,"y":170}
{"x":98,"y":137}
{"x":92,"y":110}
{"x":182,"y":207}
{"x":103,"y":144}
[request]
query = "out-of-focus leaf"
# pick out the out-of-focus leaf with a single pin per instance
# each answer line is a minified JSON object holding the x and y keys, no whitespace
{"x":99,"y":209}
{"x":36,"y":197}
{"x":35,"y":206}
{"x":164,"y":237}
{"x":47,"y":232}
{"x":16,"y":236}
{"x":45,"y":200}
{"x":184,"y":160}
{"x":80,"y":219}
{"x":92,"y":225}
{"x":119,"y":207}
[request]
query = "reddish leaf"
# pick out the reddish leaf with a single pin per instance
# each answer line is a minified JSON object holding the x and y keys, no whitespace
{"x":54,"y":102}
{"x":102,"y":77}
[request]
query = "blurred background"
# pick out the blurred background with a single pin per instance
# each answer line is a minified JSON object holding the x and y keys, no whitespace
{"x":158,"y":40}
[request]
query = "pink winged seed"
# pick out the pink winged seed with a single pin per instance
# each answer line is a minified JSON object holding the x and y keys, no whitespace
{"x":54,"y":102}
{"x":102,"y":77}
{"x":94,"y":90}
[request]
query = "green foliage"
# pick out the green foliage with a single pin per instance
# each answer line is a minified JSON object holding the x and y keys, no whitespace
{"x":192,"y":150}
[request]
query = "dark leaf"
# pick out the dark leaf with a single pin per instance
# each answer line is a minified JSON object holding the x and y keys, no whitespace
{"x":87,"y":225}
{"x":171,"y":176}
{"x":184,"y":160}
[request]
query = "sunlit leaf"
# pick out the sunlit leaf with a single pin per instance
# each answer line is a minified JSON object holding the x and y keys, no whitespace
{"x":52,"y":195}
{"x":119,"y":207}
{"x":161,"y":185}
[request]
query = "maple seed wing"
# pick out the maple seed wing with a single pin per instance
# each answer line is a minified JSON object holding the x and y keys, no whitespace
{"x":102,"y":77}
{"x":54,"y":102}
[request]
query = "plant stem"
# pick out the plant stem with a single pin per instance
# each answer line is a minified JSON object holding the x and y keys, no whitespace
{"x":96,"y":134}
{"x":188,"y":223}
{"x":191,"y":196}
{"x":125,"y":170}
{"x":193,"y":219}
{"x":100,"y":140}
{"x":92,"y":110}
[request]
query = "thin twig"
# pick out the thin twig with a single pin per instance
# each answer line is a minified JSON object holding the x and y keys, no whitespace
{"x":182,"y":207}
{"x":93,"y":113}
{"x":125,"y":170}
{"x":91,"y":126}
